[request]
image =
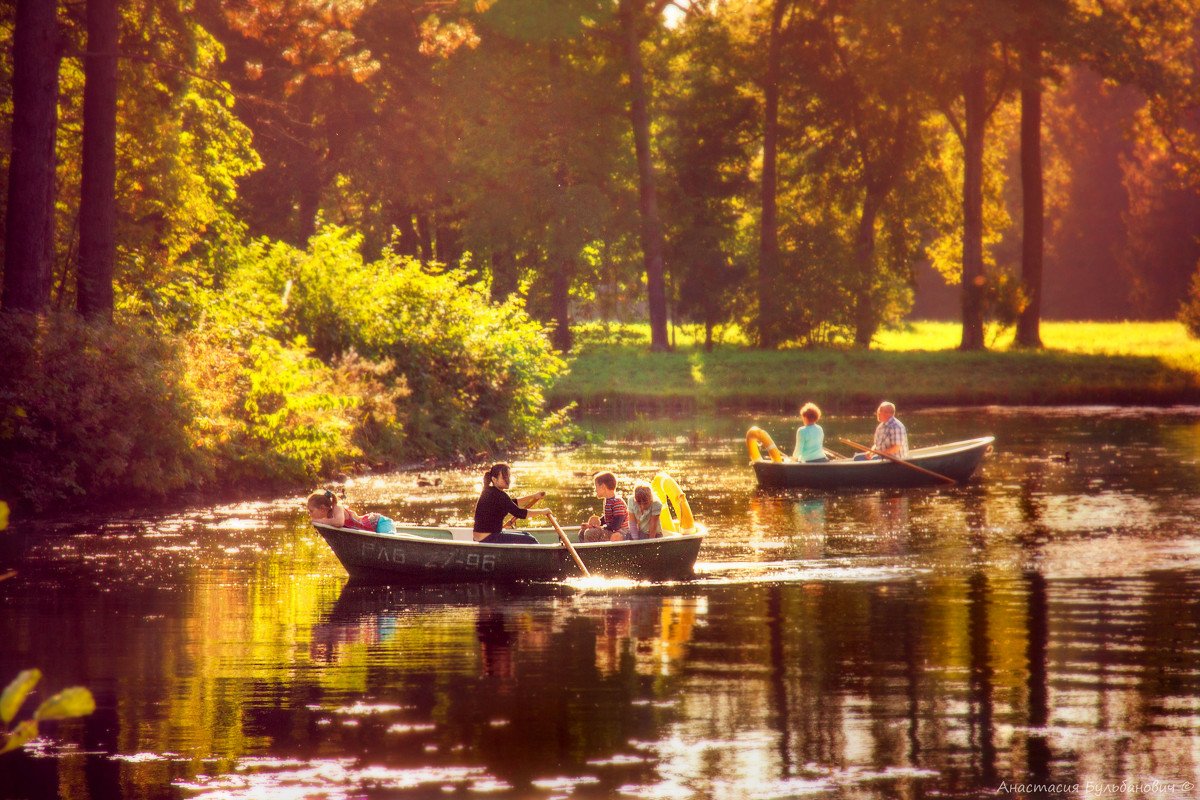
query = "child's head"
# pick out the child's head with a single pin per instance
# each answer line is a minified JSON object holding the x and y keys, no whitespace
{"x":499,"y":473}
{"x":810,"y":413}
{"x":606,"y":484}
{"x":642,"y":494}
{"x":321,"y":504}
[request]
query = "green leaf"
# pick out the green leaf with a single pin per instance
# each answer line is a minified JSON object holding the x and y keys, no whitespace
{"x":76,"y":701}
{"x":16,"y":692}
{"x":21,"y":734}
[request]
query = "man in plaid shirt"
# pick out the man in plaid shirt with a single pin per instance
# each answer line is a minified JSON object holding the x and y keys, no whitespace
{"x":891,"y":437}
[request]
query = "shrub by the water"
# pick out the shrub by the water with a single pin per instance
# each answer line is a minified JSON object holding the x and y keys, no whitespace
{"x":475,"y":372}
{"x":96,"y":410}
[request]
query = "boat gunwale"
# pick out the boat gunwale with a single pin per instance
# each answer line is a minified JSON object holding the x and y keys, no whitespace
{"x":401,"y":535}
{"x":915,"y":455}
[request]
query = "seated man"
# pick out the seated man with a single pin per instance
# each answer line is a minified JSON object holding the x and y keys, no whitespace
{"x":891,"y":437}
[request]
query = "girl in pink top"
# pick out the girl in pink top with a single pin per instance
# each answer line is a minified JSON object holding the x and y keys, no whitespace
{"x":325,"y":509}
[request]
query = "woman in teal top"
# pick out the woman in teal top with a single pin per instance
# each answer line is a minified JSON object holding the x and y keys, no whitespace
{"x":810,"y":439}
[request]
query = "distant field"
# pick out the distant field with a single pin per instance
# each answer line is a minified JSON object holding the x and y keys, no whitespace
{"x":1084,"y":362}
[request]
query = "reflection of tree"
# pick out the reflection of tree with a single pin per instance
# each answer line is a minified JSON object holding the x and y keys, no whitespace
{"x":980,"y":716}
{"x":1037,"y":749}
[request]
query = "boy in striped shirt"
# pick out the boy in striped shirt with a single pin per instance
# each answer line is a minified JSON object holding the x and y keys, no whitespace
{"x":615,"y":523}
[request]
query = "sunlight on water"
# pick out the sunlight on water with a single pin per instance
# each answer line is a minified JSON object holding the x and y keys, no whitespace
{"x":1042,"y":622}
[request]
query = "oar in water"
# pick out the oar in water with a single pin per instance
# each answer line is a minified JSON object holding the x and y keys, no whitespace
{"x":908,"y":464}
{"x":570,"y":547}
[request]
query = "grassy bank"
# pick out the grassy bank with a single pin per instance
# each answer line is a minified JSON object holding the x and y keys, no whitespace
{"x":1084,"y":362}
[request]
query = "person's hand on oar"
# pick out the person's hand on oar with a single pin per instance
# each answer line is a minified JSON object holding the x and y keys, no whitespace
{"x":528,"y":501}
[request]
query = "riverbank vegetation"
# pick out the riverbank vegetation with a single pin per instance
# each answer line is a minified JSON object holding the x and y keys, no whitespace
{"x":915,"y":364}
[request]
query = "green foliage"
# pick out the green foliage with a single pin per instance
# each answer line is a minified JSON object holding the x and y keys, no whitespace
{"x":75,"y":701}
{"x":94,"y":410}
{"x":465,"y":374}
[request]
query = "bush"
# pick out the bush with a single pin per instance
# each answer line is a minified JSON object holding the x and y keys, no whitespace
{"x":474,"y":373}
{"x":96,"y":410}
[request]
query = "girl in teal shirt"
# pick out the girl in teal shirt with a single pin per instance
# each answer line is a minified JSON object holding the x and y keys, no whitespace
{"x":810,"y":439}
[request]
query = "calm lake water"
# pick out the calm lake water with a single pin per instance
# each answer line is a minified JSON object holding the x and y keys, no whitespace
{"x":1039,"y":626}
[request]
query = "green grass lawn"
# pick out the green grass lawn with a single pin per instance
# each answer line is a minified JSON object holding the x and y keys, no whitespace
{"x":1084,"y":362}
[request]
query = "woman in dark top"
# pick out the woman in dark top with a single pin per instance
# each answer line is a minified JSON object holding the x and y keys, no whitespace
{"x":495,"y":504}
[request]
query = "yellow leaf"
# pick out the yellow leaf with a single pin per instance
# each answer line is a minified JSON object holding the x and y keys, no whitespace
{"x":15,"y":693}
{"x":3,"y":515}
{"x":73,"y":702}
{"x":21,"y":734}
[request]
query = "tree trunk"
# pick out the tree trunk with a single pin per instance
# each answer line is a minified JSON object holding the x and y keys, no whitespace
{"x":1032,"y":200}
{"x":98,"y":179}
{"x":768,"y":244}
{"x":865,"y":323}
{"x":560,"y":305}
{"x":973,"y":280}
{"x":425,"y":235}
{"x":652,"y":234}
{"x":409,"y":244}
{"x":504,"y":275}
{"x":29,"y":226}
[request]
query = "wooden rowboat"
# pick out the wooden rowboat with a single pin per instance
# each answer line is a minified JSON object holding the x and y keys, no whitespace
{"x":415,"y":554}
{"x":957,"y":460}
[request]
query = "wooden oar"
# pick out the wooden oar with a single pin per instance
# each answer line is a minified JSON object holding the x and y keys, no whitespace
{"x":833,"y":455}
{"x":908,"y":464}
{"x":570,"y":547}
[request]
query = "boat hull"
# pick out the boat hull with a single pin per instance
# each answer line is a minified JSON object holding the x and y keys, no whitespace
{"x":415,"y":559}
{"x":958,"y":460}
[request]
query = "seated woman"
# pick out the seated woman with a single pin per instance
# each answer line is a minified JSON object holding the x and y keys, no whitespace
{"x":324,"y":508}
{"x":644,"y":519}
{"x":495,"y":504}
{"x":810,"y":438}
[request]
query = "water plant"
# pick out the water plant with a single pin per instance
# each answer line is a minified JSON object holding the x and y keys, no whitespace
{"x":75,"y":701}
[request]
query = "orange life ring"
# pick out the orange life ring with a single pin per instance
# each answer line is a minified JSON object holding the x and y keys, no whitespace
{"x":756,"y":436}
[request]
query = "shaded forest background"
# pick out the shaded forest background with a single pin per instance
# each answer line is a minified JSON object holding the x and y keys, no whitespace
{"x":315,"y":231}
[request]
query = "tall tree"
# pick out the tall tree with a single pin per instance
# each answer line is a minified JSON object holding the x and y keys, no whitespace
{"x":1033,"y":204}
{"x":856,"y":64}
{"x":97,"y":203}
{"x":769,"y":322}
{"x":971,"y":37}
{"x":709,"y":123}
{"x":29,"y":223}
{"x":634,"y":15}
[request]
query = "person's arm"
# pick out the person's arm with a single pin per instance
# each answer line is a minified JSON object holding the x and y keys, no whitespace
{"x":511,"y":507}
{"x":796,"y":452}
{"x":618,"y":519}
{"x":654,"y":527}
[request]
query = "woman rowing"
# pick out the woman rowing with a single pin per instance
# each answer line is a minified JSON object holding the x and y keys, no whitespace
{"x":495,"y":504}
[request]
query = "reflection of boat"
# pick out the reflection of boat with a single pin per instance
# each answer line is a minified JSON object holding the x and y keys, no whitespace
{"x":957,"y":460}
{"x":415,"y":554}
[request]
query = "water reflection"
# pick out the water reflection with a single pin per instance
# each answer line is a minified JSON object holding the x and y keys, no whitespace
{"x":1040,"y":624}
